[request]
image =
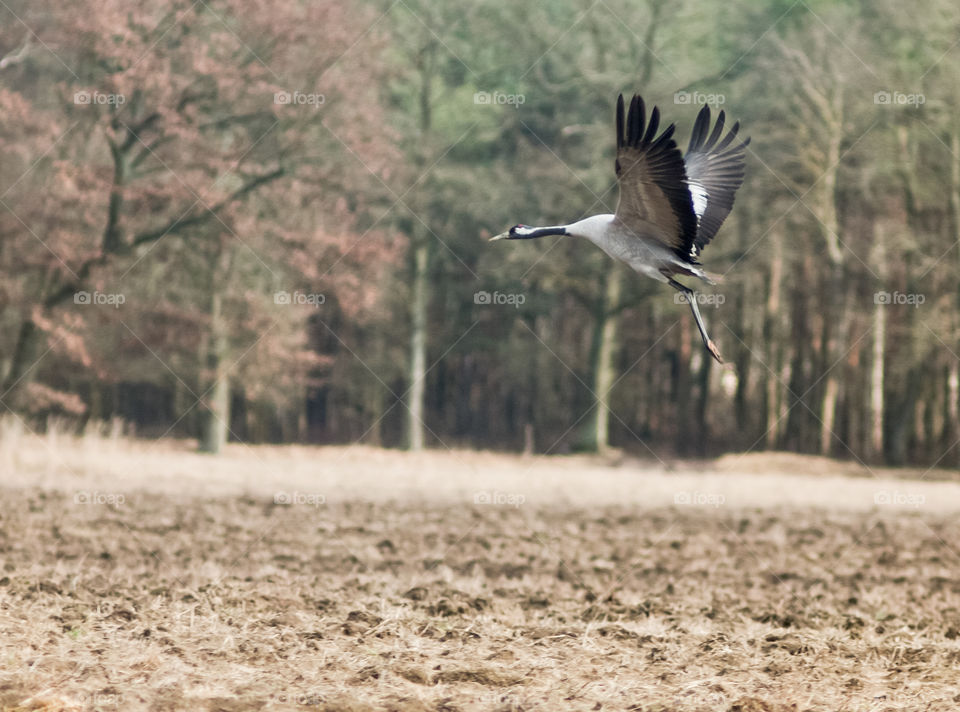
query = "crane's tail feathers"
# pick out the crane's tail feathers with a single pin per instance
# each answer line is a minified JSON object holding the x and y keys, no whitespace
{"x":708,"y":277}
{"x":712,"y":277}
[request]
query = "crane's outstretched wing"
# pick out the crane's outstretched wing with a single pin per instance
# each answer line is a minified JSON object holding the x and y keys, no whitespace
{"x":653,"y":181}
{"x":714,"y":171}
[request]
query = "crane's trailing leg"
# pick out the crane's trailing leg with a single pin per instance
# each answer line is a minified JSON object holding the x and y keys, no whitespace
{"x":692,"y":300}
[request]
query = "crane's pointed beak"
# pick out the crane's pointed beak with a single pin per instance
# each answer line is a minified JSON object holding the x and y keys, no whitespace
{"x":501,"y":236}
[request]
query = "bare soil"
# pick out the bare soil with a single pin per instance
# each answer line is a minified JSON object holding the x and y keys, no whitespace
{"x":461,"y":581}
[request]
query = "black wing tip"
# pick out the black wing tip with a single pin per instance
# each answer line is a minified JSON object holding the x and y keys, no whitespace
{"x":635,"y":121}
{"x":700,"y":127}
{"x":652,"y":126}
{"x":620,"y":137}
{"x":707,"y":139}
{"x":663,"y":139}
{"x":634,"y":130}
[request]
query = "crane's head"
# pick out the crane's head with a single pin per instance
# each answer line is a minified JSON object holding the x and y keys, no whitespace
{"x":525,"y":232}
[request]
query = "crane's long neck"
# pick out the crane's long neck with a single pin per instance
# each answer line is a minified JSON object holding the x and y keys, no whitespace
{"x":592,"y":228}
{"x":528,"y":233}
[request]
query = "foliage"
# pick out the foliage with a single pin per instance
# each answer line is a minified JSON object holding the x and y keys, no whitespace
{"x":411,"y":125}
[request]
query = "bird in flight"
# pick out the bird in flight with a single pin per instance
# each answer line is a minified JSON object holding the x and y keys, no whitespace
{"x":671,"y":205}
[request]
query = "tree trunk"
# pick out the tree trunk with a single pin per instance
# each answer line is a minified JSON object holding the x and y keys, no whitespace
{"x":376,"y":405}
{"x":876,"y":379}
{"x":682,"y":384}
{"x":604,"y":371}
{"x":952,"y":415}
{"x":797,"y":434}
{"x":834,"y":339}
{"x":420,"y":290}
{"x":418,"y":348}
{"x":953,"y":393}
{"x":773,"y":340}
{"x":215,"y":425}
{"x":836,"y":354}
{"x":216,"y":413}
{"x":698,"y":432}
{"x":827,"y":413}
{"x":828,"y":196}
{"x":25,"y":356}
{"x":879,"y":349}
{"x":827,"y":101}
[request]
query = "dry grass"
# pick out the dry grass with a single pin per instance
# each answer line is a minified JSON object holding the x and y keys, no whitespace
{"x":142,"y":576}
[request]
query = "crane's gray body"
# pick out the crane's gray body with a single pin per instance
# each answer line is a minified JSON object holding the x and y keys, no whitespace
{"x":636,"y":245}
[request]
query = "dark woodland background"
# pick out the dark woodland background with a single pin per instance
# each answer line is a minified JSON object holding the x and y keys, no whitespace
{"x":233,"y":220}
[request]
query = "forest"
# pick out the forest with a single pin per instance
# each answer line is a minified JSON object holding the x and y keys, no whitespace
{"x":236,"y":221}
